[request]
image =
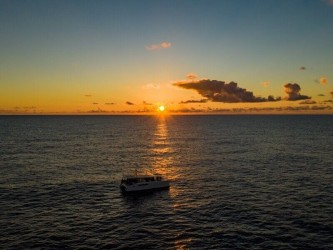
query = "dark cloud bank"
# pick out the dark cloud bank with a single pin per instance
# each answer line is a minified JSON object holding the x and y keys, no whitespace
{"x":220,"y":91}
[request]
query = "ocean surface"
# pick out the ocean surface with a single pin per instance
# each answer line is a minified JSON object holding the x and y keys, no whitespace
{"x":237,"y":182}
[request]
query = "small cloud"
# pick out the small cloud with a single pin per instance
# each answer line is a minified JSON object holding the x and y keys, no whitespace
{"x":293,"y":92}
{"x":323,"y":80}
{"x":302,"y":68}
{"x":151,"y":86}
{"x":191,"y":76}
{"x":194,"y":101}
{"x":321,"y":95}
{"x":29,"y":107}
{"x":130,"y":103}
{"x":331,"y":93}
{"x":95,"y":103}
{"x":308,"y":101}
{"x":265,"y":84}
{"x":146,"y":103}
{"x":329,"y":2}
{"x":321,"y":108}
{"x":88,"y":95}
{"x":97,"y":111}
{"x":163,"y":45}
{"x":109,"y":103}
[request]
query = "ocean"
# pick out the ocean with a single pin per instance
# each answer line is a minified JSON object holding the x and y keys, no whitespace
{"x":237,"y":182}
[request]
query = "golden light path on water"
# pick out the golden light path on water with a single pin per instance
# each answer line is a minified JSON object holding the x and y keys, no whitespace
{"x":163,"y":163}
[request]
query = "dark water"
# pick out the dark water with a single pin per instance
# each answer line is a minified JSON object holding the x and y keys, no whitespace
{"x":262,"y":182}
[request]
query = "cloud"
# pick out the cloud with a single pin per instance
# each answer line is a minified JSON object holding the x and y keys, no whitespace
{"x":323,"y":80}
{"x":88,"y":95}
{"x":321,"y":95}
{"x":331,"y":93}
{"x":130,"y":103}
{"x":219,"y":91}
{"x":194,"y":101}
{"x":293,"y":92}
{"x":109,"y":103}
{"x":163,"y":45}
{"x":146,"y":103}
{"x":191,"y":76}
{"x":95,"y":103}
{"x":151,"y":86}
{"x":302,"y":68}
{"x":98,"y":110}
{"x":329,"y":2}
{"x":308,"y":101}
{"x":265,"y":84}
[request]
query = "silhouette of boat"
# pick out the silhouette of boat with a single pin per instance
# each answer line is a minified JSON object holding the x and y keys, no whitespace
{"x":142,"y":183}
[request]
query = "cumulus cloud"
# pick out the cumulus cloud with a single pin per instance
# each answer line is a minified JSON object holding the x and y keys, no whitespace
{"x":219,"y":91}
{"x":293,"y":92}
{"x":163,"y":45}
{"x":129,"y":103}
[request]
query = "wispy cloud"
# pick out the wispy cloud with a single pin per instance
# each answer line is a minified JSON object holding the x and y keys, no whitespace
{"x":194,"y":101}
{"x":146,"y":103}
{"x":329,"y":2}
{"x":191,"y":76}
{"x":163,"y":45}
{"x":308,"y":101}
{"x":265,"y":84}
{"x":151,"y":86}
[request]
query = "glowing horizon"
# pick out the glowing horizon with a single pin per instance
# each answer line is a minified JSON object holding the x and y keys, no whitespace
{"x":128,"y":57}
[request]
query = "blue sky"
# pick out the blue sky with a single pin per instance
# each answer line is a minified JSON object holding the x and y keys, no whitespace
{"x":99,"y":47}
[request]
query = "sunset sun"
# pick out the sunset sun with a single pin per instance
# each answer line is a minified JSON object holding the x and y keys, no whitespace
{"x":161,"y":108}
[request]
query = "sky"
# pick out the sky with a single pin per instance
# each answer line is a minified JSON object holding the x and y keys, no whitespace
{"x":212,"y":56}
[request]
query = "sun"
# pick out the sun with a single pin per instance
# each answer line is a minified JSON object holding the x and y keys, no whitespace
{"x":161,"y":108}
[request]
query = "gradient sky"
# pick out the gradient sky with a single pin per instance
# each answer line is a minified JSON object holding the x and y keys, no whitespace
{"x":126,"y":56}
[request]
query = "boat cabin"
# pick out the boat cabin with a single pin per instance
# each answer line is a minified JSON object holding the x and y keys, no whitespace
{"x":129,"y":180}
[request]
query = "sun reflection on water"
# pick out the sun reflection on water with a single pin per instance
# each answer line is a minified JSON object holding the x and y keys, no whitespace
{"x":162,"y":161}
